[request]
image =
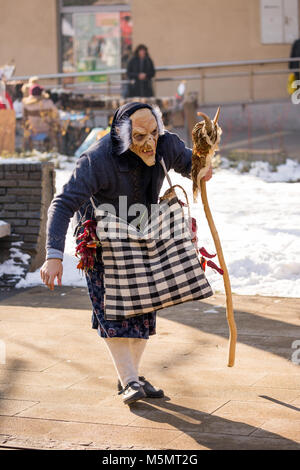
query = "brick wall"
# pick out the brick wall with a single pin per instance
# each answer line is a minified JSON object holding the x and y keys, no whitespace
{"x":26,"y":190}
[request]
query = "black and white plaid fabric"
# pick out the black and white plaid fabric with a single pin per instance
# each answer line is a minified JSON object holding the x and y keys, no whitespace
{"x":152,"y":266}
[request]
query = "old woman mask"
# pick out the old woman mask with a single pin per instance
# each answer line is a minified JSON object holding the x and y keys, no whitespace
{"x":137,"y":127}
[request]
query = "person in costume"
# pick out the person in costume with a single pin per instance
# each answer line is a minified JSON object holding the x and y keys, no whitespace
{"x":125,"y":162}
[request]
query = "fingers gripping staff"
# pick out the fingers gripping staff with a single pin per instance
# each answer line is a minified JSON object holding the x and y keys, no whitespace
{"x":206,"y":136}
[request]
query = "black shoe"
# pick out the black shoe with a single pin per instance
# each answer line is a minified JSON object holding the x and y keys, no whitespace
{"x":150,"y":390}
{"x":132,"y":392}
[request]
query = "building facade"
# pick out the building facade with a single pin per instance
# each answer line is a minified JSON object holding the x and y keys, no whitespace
{"x":50,"y":36}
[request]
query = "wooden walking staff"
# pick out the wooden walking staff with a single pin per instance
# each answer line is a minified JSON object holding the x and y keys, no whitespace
{"x":206,"y":137}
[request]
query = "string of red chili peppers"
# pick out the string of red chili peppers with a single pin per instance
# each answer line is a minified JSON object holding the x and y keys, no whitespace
{"x":86,"y":250}
{"x":204,"y":254}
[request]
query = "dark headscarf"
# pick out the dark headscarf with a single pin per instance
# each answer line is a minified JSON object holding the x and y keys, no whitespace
{"x":142,"y":184}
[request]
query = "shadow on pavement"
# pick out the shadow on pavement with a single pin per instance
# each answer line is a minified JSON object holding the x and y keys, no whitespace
{"x":255,"y":330}
{"x":210,"y":430}
{"x":41,"y":296}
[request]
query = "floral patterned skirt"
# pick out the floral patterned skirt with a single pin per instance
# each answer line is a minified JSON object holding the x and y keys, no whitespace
{"x":140,"y":326}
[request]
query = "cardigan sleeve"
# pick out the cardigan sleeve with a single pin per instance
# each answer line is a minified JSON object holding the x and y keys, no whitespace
{"x":179,"y":157}
{"x":83,"y":183}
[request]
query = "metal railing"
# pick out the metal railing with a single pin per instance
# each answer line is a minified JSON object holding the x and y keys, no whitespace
{"x":111,"y":85}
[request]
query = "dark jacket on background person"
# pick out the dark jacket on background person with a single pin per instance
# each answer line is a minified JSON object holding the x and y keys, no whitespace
{"x":134,"y":68}
{"x":105,"y":174}
{"x":295,"y":52}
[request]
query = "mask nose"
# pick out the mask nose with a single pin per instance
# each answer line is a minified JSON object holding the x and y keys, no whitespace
{"x":151,"y":139}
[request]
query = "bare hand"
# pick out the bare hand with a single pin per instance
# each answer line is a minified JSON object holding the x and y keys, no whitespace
{"x":51,"y":269}
{"x":208,"y":175}
{"x":142,"y":76}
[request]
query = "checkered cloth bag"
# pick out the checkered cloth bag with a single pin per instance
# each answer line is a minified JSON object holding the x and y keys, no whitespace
{"x":152,"y":265}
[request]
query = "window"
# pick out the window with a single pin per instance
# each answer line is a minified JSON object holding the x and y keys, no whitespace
{"x":279,"y":21}
{"x":95,"y":36}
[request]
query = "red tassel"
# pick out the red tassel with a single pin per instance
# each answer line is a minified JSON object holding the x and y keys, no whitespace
{"x":204,"y":253}
{"x":211,"y":264}
{"x":183,"y":204}
{"x":193,"y":224}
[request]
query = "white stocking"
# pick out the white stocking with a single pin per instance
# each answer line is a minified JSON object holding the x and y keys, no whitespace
{"x":122,"y":357}
{"x":137,"y":347}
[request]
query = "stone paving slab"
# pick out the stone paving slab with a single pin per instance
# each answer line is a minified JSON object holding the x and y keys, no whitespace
{"x":215,"y":441}
{"x":99,"y":413}
{"x":288,"y":428}
{"x":58,"y":385}
{"x":280,"y":380}
{"x":10,"y":407}
{"x":78,"y":432}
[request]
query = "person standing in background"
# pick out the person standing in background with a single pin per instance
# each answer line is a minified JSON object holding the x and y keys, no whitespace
{"x":17,"y":103}
{"x":140,"y":68}
{"x":18,"y":107}
{"x":41,"y":118}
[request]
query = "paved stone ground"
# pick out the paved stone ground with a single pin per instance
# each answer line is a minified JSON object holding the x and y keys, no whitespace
{"x":58,"y":386}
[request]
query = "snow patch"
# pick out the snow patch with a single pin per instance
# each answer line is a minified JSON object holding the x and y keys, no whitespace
{"x":257,"y":217}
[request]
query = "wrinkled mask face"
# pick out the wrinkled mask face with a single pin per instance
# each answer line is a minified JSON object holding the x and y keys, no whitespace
{"x":144,"y":135}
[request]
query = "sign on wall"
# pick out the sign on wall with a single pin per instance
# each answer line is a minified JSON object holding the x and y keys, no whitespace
{"x":279,"y":21}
